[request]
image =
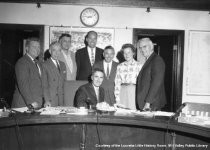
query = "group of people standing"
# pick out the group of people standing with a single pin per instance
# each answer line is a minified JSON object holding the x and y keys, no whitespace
{"x":128,"y":84}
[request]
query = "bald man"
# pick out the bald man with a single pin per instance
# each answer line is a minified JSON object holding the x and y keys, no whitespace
{"x":150,"y":92}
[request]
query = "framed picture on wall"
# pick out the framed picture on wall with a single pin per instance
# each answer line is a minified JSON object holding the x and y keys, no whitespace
{"x":55,"y":32}
{"x":105,"y":36}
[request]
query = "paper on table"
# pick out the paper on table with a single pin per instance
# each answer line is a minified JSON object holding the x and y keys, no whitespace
{"x":121,"y":111}
{"x":144,"y":113}
{"x":21,"y":109}
{"x":50,"y":111}
{"x":163,"y":113}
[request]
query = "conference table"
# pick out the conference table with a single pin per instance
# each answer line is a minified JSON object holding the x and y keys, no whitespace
{"x":105,"y":131}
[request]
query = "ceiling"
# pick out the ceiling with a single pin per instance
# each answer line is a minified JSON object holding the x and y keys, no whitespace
{"x":203,"y":5}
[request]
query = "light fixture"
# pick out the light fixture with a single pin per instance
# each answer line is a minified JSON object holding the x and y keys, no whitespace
{"x":148,"y":10}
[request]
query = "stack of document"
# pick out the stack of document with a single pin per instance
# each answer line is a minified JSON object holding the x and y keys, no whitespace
{"x":21,"y":109}
{"x":63,"y":110}
{"x":153,"y":113}
{"x":50,"y":111}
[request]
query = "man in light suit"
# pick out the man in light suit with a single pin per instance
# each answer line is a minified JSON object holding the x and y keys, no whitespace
{"x":91,"y":93}
{"x":29,"y":75}
{"x":87,"y":56}
{"x":150,"y":82}
{"x":67,"y":56}
{"x":109,"y":67}
{"x":53,"y":77}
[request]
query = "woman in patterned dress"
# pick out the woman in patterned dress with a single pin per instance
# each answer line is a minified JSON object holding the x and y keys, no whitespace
{"x":126,"y":76}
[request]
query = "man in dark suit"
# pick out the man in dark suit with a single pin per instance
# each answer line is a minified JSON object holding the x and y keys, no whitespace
{"x":53,"y":77}
{"x":87,"y":56}
{"x":29,"y":75}
{"x":109,"y":67}
{"x":150,"y":82}
{"x":91,"y":93}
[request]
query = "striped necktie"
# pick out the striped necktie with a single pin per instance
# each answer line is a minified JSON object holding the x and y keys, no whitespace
{"x":37,"y":66}
{"x":58,"y":66}
{"x":92,"y":57}
{"x":107,"y":71}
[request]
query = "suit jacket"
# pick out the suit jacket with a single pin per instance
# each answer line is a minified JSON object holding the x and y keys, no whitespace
{"x":69,"y":75}
{"x":150,"y":83}
{"x":29,"y":86}
{"x":84,"y":68}
{"x":86,"y":96}
{"x":53,"y":82}
{"x":108,"y":83}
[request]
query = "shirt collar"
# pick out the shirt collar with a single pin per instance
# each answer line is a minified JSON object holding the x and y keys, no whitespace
{"x":54,"y":60}
{"x":149,"y":55}
{"x":30,"y":57}
{"x":96,"y":88}
{"x":110,"y":63}
{"x":132,"y":62}
{"x":89,"y":49}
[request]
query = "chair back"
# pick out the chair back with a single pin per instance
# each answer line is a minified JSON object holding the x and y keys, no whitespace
{"x":70,"y":88}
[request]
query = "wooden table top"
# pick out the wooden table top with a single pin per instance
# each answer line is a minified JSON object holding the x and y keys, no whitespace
{"x":129,"y":120}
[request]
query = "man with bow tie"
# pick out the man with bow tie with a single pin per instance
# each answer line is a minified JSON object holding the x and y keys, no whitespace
{"x":53,"y":77}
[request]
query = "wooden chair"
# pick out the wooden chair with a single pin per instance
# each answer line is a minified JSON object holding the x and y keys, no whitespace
{"x":70,"y":88}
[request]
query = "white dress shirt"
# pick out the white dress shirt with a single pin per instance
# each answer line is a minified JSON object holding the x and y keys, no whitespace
{"x":90,"y":52}
{"x":68,"y":60}
{"x":55,"y":62}
{"x":105,"y":67}
{"x":96,"y":89}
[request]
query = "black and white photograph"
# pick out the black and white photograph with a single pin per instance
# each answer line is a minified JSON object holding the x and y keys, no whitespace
{"x":104,"y":75}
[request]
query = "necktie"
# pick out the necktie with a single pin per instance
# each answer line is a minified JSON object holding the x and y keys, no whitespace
{"x":107,"y":71}
{"x":58,"y":66}
{"x":37,"y":66}
{"x":92,"y":56}
{"x":97,"y":94}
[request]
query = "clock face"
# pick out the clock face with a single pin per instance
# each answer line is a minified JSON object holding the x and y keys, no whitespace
{"x":89,"y":17}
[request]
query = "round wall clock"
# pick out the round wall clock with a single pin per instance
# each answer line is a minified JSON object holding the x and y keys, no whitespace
{"x":89,"y":17}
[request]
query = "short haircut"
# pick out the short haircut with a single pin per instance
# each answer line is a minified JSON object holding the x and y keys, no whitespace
{"x":109,"y":47}
{"x":32,"y":39}
{"x":64,"y":35}
{"x":148,"y":41}
{"x":128,"y":45}
{"x":92,"y":32}
{"x":53,"y":43}
{"x":97,"y":70}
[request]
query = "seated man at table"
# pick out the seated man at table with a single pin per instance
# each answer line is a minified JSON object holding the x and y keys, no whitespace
{"x":91,"y":93}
